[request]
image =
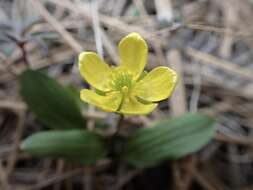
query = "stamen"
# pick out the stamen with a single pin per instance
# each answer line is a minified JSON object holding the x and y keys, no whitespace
{"x":120,"y":80}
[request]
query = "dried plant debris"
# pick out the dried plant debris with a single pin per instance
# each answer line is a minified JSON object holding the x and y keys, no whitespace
{"x":209,"y":43}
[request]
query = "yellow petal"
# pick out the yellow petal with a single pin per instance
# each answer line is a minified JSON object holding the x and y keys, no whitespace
{"x":94,"y":70}
{"x":131,"y":106}
{"x":133,"y":53}
{"x":156,"y":85}
{"x":110,"y":102}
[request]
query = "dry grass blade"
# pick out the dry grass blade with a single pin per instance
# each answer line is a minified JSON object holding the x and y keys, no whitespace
{"x":179,"y":93}
{"x":208,"y":43}
{"x":57,"y":26}
{"x":213,"y":61}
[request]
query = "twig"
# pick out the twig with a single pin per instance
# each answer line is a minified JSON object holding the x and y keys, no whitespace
{"x":211,"y":60}
{"x":56,"y":178}
{"x":196,"y":89}
{"x":140,"y":5}
{"x":3,"y":178}
{"x":57,"y":26}
{"x":12,"y":105}
{"x":177,"y":108}
{"x":59,"y":170}
{"x":219,"y":30}
{"x":177,"y":176}
{"x":110,"y":47}
{"x":96,"y":27}
{"x":108,"y":21}
{"x":164,"y":10}
{"x":88,"y":178}
{"x":126,"y":178}
{"x":20,"y":126}
{"x":230,"y":20}
{"x":206,"y":183}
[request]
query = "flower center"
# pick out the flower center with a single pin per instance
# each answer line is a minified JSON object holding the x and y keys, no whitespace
{"x":122,"y":81}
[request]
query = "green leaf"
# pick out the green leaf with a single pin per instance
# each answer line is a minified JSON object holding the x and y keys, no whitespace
{"x":53,"y":104}
{"x":75,"y":145}
{"x":170,"y":139}
{"x":76,"y":95}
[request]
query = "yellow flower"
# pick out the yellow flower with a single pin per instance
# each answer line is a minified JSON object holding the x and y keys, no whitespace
{"x":126,"y":89}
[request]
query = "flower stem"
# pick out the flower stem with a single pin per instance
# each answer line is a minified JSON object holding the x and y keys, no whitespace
{"x":119,"y":123}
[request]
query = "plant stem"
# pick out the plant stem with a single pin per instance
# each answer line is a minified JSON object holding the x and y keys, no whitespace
{"x":88,"y":178}
{"x":119,"y":123}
